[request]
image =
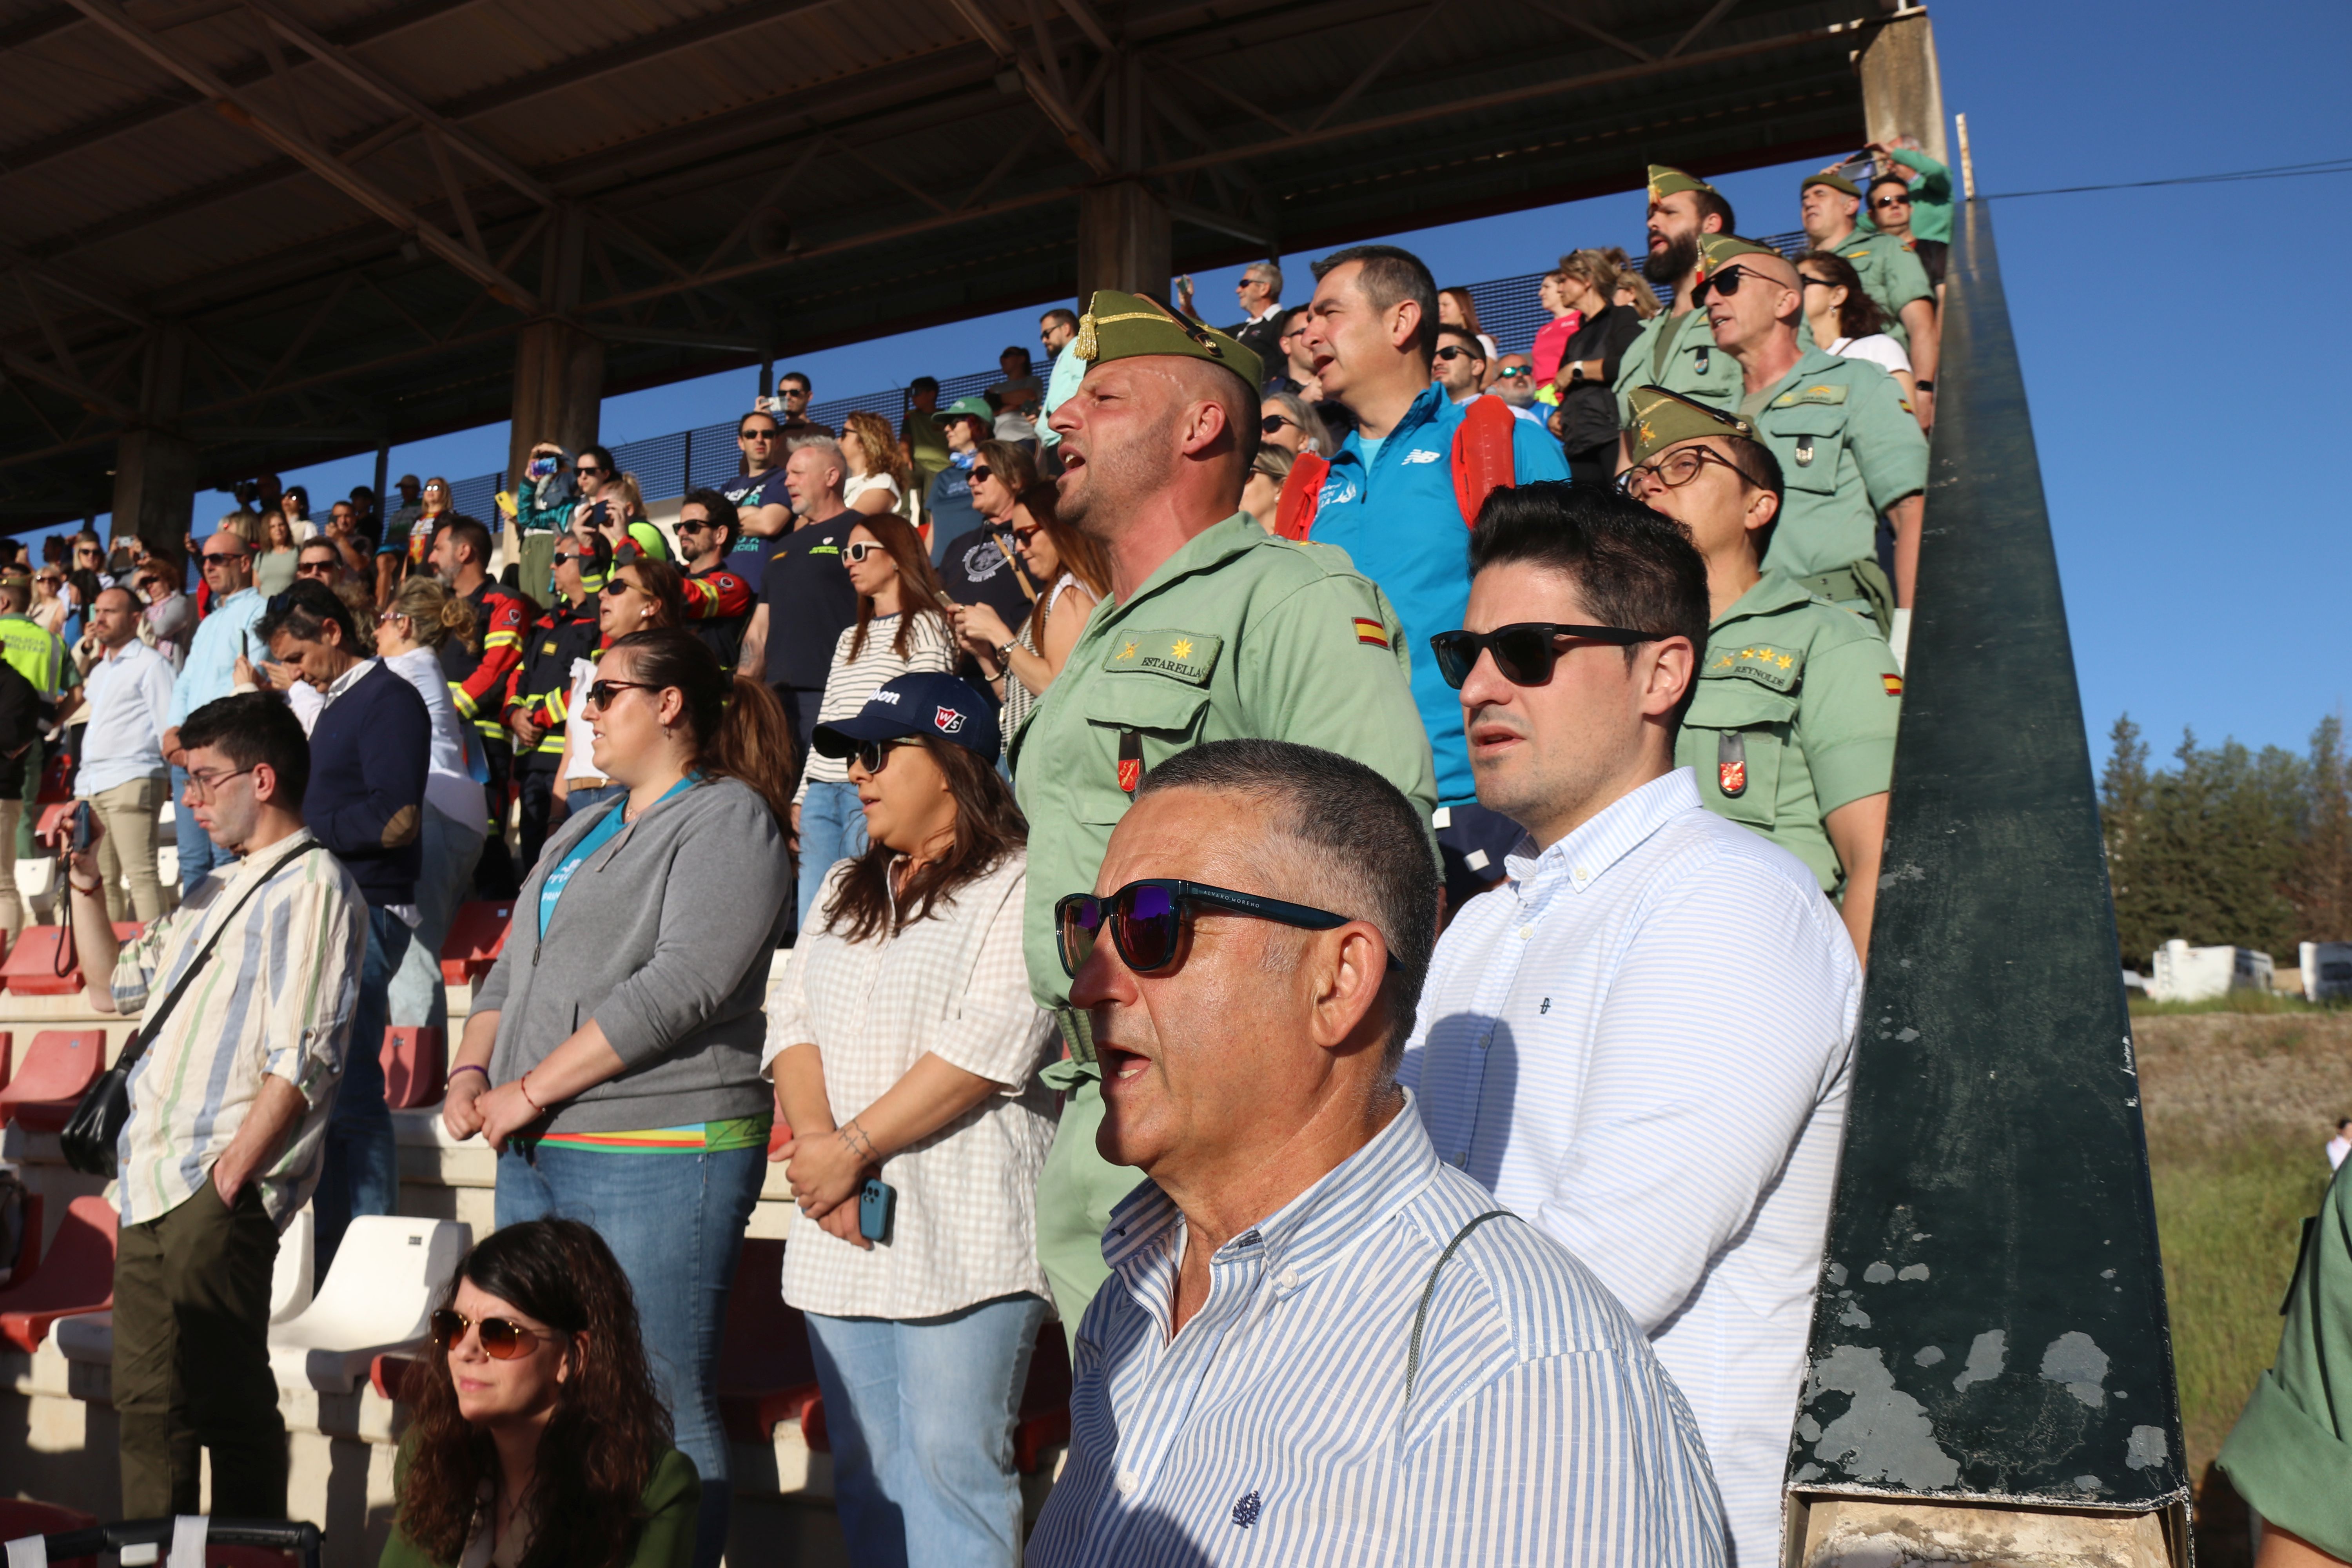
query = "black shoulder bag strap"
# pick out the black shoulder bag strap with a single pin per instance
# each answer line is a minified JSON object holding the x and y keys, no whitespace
{"x":91,"y":1134}
{"x":1421,"y":1313}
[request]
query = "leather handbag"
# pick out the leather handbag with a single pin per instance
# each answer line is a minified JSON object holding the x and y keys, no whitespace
{"x":94,"y":1130}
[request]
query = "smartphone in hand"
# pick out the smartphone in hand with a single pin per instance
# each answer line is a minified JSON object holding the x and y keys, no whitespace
{"x":876,"y":1204}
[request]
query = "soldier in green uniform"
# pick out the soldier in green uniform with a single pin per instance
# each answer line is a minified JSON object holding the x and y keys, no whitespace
{"x":1792,"y":727}
{"x":1848,"y":448}
{"x":1675,"y":350}
{"x":1891,"y":275}
{"x":1213,"y":630}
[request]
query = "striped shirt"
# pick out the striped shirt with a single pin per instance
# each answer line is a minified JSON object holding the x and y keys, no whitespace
{"x":1276,"y":1427}
{"x":274,"y":1000}
{"x":930,"y":647}
{"x":1641,"y":1042}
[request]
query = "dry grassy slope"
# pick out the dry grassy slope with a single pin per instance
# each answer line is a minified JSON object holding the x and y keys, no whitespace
{"x":2287,"y":1075}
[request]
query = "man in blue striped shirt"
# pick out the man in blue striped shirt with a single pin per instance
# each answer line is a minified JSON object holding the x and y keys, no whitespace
{"x":1314,"y":1347}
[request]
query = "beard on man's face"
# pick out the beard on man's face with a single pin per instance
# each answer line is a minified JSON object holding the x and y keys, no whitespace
{"x":1673,"y":264}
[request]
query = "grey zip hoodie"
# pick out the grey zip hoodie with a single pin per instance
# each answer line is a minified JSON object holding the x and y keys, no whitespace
{"x":663,"y":937}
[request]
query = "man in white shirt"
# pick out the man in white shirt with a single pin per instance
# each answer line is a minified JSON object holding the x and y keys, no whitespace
{"x":128,"y":688}
{"x":1645,"y":966}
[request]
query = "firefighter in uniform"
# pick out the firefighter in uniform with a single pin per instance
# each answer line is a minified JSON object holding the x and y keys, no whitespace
{"x":541,"y":689}
{"x":478,"y":678}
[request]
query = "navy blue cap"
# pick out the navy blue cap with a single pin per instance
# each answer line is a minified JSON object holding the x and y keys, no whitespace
{"x":923,"y":704}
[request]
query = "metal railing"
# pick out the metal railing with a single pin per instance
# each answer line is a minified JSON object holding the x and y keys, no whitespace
{"x":1508,"y":311}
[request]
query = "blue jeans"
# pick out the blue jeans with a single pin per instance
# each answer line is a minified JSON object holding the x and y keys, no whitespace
{"x":198,"y":853}
{"x":921,"y":1413}
{"x":833,"y":828}
{"x":362,"y":1172}
{"x":416,"y":998}
{"x":675,"y":1223}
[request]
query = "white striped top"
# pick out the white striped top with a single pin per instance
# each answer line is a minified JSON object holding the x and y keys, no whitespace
{"x":930,"y":647}
{"x":1274,"y":1428}
{"x":1641,"y":1042}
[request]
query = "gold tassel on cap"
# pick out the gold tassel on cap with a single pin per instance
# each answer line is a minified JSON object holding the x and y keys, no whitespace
{"x":1086,"y":346}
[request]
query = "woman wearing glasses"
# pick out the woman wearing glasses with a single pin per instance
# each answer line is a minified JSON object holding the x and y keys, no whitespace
{"x":539,"y":1432}
{"x":1286,"y":422}
{"x":640,"y":596}
{"x":905,"y":1046}
{"x":901,"y":626}
{"x":1073,"y":575}
{"x":612,"y":1053}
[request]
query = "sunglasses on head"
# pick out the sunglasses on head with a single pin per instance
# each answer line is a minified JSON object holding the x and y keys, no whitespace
{"x":1146,"y":919}
{"x":503,"y":1339}
{"x":1524,"y":652}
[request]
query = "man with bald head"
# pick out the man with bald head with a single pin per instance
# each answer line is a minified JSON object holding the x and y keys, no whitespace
{"x":1849,"y":449}
{"x":209,"y":674}
{"x":1320,"y":1345}
{"x":1212,"y":630}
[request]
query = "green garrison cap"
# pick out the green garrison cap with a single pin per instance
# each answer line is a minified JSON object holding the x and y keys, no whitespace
{"x":1124,"y":326}
{"x":1663,"y":419}
{"x":1837,"y":183}
{"x":1665,"y":182}
{"x":1716,"y":250}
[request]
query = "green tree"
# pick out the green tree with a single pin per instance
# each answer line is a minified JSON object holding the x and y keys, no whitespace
{"x":2321,"y":886}
{"x":2211,"y":847}
{"x":2123,"y":810}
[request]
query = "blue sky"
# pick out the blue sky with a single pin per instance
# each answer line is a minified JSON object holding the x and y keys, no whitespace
{"x":2197,"y":593}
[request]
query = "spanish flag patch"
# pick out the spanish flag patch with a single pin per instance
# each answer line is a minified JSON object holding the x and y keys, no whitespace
{"x":1893,"y":684}
{"x":1370,"y":632}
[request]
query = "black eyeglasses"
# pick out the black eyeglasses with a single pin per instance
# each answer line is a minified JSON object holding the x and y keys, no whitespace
{"x":600,"y":692}
{"x":1146,"y":919}
{"x":1676,"y":470}
{"x":502,"y":1340}
{"x":1890,"y":201}
{"x":1726,"y":282}
{"x":1524,"y":652}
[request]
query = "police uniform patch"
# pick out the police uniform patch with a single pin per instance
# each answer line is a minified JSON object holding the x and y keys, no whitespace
{"x":1368,"y":631}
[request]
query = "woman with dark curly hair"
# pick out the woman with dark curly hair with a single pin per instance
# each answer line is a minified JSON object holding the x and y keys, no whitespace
{"x":539,"y":1437}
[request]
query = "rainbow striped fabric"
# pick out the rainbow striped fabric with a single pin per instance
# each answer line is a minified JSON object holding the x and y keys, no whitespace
{"x":695,"y":1138}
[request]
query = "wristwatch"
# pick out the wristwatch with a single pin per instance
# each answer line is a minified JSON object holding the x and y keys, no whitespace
{"x":1925,"y":386}
{"x":1005,"y":651}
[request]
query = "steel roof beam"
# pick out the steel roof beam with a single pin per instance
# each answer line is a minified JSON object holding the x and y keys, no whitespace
{"x":1080,"y":138}
{"x":263,"y":122}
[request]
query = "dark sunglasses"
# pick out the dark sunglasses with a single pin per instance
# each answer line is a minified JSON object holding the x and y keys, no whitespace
{"x":600,"y":692}
{"x":212,"y":555}
{"x":692,"y":525}
{"x":1510,"y":371}
{"x":1273,"y":423}
{"x":868,"y":754}
{"x":1146,"y":919}
{"x":1453,"y":351}
{"x":1891,"y":202}
{"x":858,"y":551}
{"x":502,"y":1338}
{"x":980,"y":471}
{"x":1726,"y":282}
{"x":589,"y":468}
{"x":315,"y":569}
{"x":767,"y":434}
{"x":1524,"y":652}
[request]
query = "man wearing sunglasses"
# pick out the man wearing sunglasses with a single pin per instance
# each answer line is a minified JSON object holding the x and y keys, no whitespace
{"x":1673,"y":350}
{"x":1850,"y":452}
{"x":1645,"y":965}
{"x":1791,"y":732}
{"x":1460,"y":364}
{"x":718,"y":599}
{"x":946,"y":505}
{"x":1390,"y":501}
{"x":1300,"y":1261}
{"x":1891,"y":275}
{"x":1213,"y":630}
{"x":537,"y":708}
{"x":763,"y":506}
{"x":209,"y":673}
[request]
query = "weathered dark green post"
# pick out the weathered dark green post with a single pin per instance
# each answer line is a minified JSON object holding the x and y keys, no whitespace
{"x":1991,"y":1367}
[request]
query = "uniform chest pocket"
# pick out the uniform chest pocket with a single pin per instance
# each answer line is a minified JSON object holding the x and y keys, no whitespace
{"x":1734,"y":740}
{"x":1809,"y":438}
{"x":1141,"y":716}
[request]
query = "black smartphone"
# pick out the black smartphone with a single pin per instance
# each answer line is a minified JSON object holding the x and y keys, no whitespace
{"x":876,"y":1205}
{"x":81,"y":819}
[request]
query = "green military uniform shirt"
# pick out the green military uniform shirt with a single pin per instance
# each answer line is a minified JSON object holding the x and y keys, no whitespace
{"x":1891,"y":275}
{"x":2290,"y":1455}
{"x":1794,"y":717}
{"x":1678,"y":353}
{"x":1237,"y":636}
{"x":1849,"y":449}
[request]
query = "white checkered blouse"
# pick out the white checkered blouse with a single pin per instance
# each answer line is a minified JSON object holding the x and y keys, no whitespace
{"x":954,"y":983}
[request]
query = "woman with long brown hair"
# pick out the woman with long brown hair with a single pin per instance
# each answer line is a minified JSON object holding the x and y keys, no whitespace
{"x":902,"y":624}
{"x":905,"y":1046}
{"x":881,"y":475}
{"x":1072,"y":577}
{"x":621,"y":1028}
{"x":274,"y":556}
{"x":539,"y":1436}
{"x":640,"y":594}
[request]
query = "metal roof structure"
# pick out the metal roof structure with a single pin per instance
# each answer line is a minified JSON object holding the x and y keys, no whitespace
{"x":338,"y":214}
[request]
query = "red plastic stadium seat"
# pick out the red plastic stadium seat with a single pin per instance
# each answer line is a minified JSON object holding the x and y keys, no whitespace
{"x":477,"y":937}
{"x":31,"y":966}
{"x":766,"y":1373}
{"x":21,"y":1517}
{"x":78,"y":1276}
{"x":58,"y":1066}
{"x":414,"y":1067}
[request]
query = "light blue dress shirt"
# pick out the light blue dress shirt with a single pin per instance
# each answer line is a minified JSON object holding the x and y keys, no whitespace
{"x":1275,"y":1428}
{"x":129,"y":697}
{"x":1641,"y":1042}
{"x":211,"y":668}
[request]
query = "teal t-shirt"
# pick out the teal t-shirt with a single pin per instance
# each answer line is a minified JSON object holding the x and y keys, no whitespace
{"x":607,"y":827}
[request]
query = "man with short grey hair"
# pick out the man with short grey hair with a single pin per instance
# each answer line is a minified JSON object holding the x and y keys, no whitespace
{"x":1259,"y":292}
{"x":1313,"y":1333}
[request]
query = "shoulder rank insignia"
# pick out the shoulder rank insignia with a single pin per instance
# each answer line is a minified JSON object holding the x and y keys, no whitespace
{"x":1187,"y":656}
{"x":1371,"y":631}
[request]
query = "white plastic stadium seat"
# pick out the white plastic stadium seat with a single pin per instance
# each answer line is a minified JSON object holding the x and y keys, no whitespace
{"x":88,"y":1337}
{"x":386,"y":1276}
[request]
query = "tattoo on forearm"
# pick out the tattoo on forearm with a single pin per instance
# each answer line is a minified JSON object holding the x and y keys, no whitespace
{"x":860,"y":1144}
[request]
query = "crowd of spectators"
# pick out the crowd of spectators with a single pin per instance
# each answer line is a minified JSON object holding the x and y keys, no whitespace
{"x":1395,"y":704}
